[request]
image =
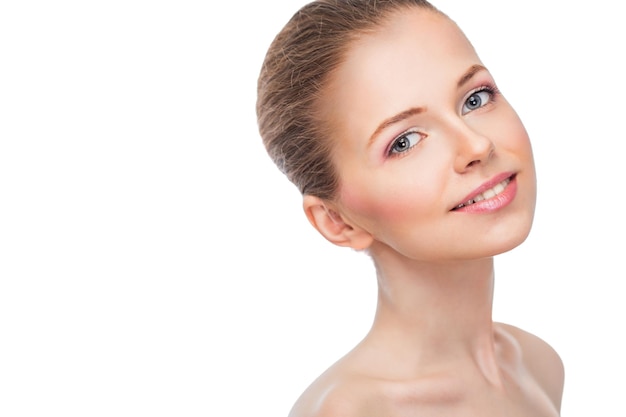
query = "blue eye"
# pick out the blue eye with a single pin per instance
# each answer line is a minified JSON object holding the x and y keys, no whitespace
{"x":405,"y":142}
{"x":477,"y":100}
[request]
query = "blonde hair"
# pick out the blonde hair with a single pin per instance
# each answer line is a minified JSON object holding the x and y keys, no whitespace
{"x":295,"y":70}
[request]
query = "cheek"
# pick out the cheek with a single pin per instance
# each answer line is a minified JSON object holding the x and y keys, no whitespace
{"x":517,"y":142}
{"x":516,"y":134}
{"x":393,"y":200}
{"x":367,"y":203}
{"x":520,"y":136}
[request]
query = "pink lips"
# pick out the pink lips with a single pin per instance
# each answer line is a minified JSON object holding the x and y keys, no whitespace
{"x":494,"y":203}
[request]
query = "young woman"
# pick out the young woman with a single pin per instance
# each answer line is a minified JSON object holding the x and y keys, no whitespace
{"x":385,"y":118}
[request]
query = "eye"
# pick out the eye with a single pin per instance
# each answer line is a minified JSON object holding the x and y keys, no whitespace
{"x":404,"y":142}
{"x":477,"y":100}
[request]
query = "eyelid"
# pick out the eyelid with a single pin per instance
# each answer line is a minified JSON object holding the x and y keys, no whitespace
{"x":389,"y":150}
{"x":483,"y":87}
{"x":491,"y":88}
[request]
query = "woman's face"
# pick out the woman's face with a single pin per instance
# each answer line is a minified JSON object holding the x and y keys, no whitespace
{"x":433,"y":161}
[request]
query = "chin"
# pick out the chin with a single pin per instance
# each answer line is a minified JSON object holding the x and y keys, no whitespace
{"x":513,"y":239}
{"x":501,"y":240}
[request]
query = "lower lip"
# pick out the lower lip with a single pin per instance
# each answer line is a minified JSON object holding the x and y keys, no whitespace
{"x":494,"y":203}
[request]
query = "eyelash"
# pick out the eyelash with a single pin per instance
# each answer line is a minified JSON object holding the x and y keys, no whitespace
{"x":392,"y":154}
{"x":491,"y":89}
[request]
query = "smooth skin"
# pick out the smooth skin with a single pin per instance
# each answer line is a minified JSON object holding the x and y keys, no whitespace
{"x":419,"y":129}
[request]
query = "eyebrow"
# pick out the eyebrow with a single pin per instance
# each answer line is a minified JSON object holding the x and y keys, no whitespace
{"x":417,"y":110}
{"x":395,"y":119}
{"x":469,"y":74}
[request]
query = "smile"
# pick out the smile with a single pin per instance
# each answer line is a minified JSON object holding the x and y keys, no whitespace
{"x":490,"y":193}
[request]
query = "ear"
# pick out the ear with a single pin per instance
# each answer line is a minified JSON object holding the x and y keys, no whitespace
{"x":327,"y":220}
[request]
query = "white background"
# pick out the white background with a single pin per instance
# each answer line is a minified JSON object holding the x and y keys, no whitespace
{"x":153,"y":262}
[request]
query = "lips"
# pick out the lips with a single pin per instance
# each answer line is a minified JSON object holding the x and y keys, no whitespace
{"x":487,"y":191}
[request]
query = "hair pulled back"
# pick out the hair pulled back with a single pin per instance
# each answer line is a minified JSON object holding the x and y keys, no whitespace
{"x":295,"y":70}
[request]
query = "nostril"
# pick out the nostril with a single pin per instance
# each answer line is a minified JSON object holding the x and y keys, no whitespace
{"x":473,"y":163}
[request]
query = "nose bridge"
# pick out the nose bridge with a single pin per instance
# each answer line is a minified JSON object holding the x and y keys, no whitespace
{"x":470,"y":145}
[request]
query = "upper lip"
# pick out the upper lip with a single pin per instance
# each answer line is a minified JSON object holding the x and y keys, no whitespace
{"x":484,"y":187}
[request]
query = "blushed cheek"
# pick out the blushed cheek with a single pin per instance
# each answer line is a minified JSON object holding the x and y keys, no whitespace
{"x":513,"y":137}
{"x":519,"y":143}
{"x":360,"y":202}
{"x":524,"y":145}
{"x":388,"y":203}
{"x":516,"y":128}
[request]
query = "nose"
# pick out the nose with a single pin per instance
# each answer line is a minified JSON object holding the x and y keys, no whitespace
{"x":472,"y":148}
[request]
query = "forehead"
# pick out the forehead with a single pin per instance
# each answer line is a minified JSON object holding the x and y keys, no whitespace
{"x":417,"y":36}
{"x":404,"y":63}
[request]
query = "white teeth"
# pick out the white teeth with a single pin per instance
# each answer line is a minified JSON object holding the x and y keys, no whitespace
{"x":492,"y":192}
{"x":498,"y":188}
{"x":489,"y":193}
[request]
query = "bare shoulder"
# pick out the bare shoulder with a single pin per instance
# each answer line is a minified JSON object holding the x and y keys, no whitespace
{"x":333,"y":395}
{"x":543,"y":362}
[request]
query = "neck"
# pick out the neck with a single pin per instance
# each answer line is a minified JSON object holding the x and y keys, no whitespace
{"x":441,"y":310}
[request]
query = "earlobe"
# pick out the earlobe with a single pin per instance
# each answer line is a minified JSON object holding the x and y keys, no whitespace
{"x":326,"y":220}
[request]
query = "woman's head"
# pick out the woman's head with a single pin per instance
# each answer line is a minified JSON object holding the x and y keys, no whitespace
{"x":427,"y":159}
{"x":294,"y":75}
